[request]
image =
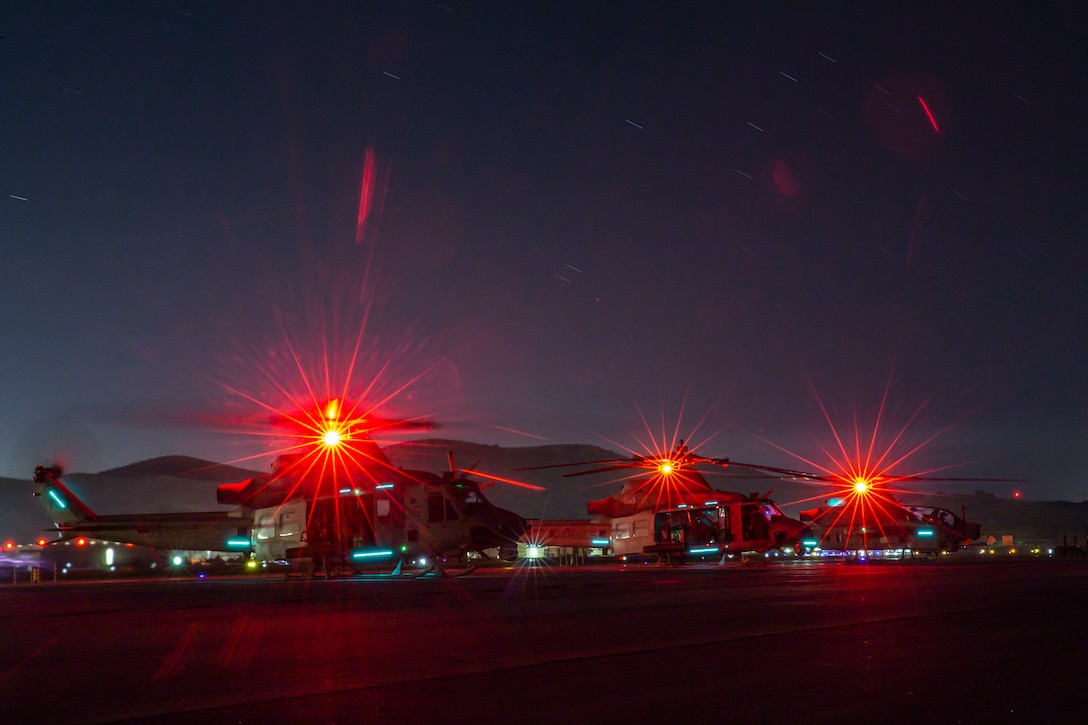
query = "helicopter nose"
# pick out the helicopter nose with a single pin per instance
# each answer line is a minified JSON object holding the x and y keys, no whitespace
{"x":504,"y":528}
{"x":792,"y":533}
{"x":512,"y":526}
{"x":802,"y":533}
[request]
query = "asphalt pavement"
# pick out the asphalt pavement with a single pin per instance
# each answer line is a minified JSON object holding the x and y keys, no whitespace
{"x":800,"y":641}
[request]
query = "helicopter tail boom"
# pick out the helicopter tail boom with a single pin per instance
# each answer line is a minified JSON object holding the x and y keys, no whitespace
{"x":63,"y":506}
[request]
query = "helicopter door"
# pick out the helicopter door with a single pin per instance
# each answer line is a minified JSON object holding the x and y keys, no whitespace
{"x":357,"y":521}
{"x":671,"y":527}
{"x":703,"y":527}
{"x":336,"y":525}
{"x":754,"y":522}
{"x":725,"y":530}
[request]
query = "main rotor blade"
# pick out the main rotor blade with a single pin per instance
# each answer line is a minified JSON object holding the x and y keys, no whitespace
{"x":568,"y":465}
{"x":512,"y":482}
{"x":789,"y":473}
{"x":739,"y":476}
{"x":893,"y":479}
{"x":618,"y":467}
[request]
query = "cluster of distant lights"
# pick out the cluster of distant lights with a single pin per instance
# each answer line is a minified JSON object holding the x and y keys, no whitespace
{"x":335,"y":433}
{"x":540,"y":551}
{"x":1036,"y":551}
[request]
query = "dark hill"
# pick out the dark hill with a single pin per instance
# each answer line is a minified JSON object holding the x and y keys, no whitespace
{"x":565,"y":498}
{"x":181,"y":467}
{"x":182,"y":483}
{"x":22,"y":517}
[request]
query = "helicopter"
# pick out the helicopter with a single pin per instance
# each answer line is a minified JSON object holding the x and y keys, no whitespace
{"x":384,"y":514}
{"x":334,"y":504}
{"x":337,"y":504}
{"x":864,"y":516}
{"x":867,"y":517}
{"x":675,"y":515}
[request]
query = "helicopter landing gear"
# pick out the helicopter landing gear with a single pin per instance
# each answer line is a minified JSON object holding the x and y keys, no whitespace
{"x":435,"y":567}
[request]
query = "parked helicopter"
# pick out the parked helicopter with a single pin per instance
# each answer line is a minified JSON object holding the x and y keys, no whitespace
{"x":674,"y":514}
{"x":334,"y":504}
{"x":866,"y":516}
{"x":381,"y":514}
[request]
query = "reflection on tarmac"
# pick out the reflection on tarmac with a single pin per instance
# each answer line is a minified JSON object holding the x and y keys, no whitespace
{"x":818,"y":642}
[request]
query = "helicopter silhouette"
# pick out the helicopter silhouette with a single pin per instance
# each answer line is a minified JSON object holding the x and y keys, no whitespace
{"x":667,"y":509}
{"x":334,"y":505}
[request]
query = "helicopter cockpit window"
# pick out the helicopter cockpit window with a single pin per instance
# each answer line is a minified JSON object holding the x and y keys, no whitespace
{"x":439,"y":509}
{"x":771,"y":510}
{"x":469,"y":493}
{"x":754,"y":522}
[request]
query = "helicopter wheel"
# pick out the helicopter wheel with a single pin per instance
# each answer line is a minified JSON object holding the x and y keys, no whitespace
{"x":460,"y":572}
{"x":426,"y":570}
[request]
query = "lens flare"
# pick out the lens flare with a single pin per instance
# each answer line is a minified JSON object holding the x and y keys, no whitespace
{"x":862,"y":511}
{"x":325,"y":420}
{"x":660,"y":472}
{"x":929,"y":114}
{"x":332,"y":438}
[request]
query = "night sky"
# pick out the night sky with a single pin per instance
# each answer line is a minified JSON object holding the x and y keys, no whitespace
{"x":545,"y":222}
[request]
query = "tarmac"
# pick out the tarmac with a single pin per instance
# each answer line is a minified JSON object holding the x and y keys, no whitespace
{"x":794,"y":641}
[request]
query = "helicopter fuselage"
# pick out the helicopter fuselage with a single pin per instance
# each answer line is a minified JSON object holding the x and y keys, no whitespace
{"x":417,"y":516}
{"x":708,"y":530}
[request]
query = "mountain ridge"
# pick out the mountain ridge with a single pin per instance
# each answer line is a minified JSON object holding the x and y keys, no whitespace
{"x":177,"y":466}
{"x":186,"y":483}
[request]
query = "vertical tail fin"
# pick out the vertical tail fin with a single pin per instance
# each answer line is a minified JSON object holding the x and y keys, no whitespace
{"x":63,"y":507}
